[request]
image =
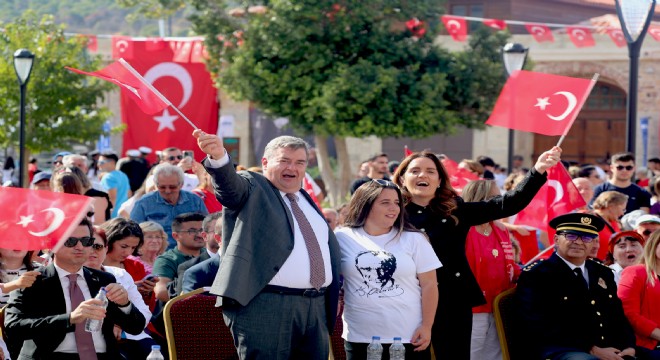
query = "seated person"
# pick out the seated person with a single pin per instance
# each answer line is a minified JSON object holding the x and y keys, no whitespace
{"x":568,"y":304}
{"x":203,"y":273}
{"x":49,"y":317}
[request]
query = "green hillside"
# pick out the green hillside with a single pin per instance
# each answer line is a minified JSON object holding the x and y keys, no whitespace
{"x":91,"y":17}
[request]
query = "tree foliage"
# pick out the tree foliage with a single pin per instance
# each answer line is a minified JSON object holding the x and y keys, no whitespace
{"x":352,"y":68}
{"x":61,"y":107}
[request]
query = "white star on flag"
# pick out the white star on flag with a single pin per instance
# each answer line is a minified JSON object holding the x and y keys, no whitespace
{"x":25,"y":221}
{"x":166,"y":121}
{"x":542,"y":102}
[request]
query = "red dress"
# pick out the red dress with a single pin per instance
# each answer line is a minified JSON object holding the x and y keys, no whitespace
{"x":640,"y":303}
{"x":492,"y":262}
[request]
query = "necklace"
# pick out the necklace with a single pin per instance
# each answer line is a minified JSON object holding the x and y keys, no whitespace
{"x":484,"y":229}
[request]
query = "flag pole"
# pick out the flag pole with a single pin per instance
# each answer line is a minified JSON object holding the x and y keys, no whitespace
{"x":155,"y":91}
{"x":594,"y":79}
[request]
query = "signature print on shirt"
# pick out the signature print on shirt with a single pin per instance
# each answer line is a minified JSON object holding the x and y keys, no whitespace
{"x":377,"y":270}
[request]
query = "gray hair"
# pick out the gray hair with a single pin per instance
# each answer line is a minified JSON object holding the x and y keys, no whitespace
{"x":209,"y":218}
{"x":291,"y":142}
{"x":167,"y":169}
{"x":69,"y":159}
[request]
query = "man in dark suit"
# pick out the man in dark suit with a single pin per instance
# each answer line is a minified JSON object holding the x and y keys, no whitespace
{"x":212,"y":247}
{"x":280,"y":260}
{"x":568,"y":304}
{"x":49,"y":317}
{"x":203,"y":273}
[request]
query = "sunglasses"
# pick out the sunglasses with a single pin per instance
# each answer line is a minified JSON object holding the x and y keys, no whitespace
{"x":382,"y":182}
{"x":647,"y":232}
{"x":171,"y":158}
{"x":102,"y":162}
{"x":572,"y":237}
{"x":90,"y":214}
{"x":85,"y":241}
{"x":168,"y":187}
{"x":627,"y":167}
{"x":98,"y":246}
{"x":58,"y":163}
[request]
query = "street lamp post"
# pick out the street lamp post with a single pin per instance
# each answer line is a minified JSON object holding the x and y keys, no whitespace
{"x":23,"y":60}
{"x":514,"y":56}
{"x":635,"y":17}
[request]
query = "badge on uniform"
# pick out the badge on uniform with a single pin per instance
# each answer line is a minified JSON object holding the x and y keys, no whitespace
{"x":602,"y":284}
{"x":495,"y":252}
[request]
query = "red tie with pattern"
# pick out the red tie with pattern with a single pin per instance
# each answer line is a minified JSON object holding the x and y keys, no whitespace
{"x":317,"y":268}
{"x":84,"y":340}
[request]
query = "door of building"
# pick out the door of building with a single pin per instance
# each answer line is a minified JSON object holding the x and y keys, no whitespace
{"x":598,"y":132}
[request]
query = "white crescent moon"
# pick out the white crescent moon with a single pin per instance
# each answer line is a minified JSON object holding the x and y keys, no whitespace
{"x":537,"y":30}
{"x":176,"y":71}
{"x":452,"y":23}
{"x":121,"y":45}
{"x":579,"y":33}
{"x":572,"y":103}
{"x":559,"y":190}
{"x":57,"y":222}
{"x":654,"y":31}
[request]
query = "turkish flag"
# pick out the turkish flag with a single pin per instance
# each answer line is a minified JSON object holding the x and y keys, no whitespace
{"x":458,"y":177}
{"x":187,"y":85}
{"x":406,"y":152}
{"x":456,"y":27}
{"x":654,"y":31}
{"x":580,"y":36}
{"x":495,"y":24}
{"x":416,"y":27}
{"x":92,"y":42}
{"x":131,"y":86}
{"x":37,"y":219}
{"x":540,"y":32}
{"x":558,"y":196}
{"x":540,"y":103}
{"x":122,"y":47}
{"x":617,"y":36}
{"x":155,"y":44}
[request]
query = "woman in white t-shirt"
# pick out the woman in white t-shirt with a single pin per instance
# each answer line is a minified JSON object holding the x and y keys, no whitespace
{"x":390,"y":286}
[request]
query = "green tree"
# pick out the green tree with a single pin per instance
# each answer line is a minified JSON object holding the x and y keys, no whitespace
{"x":351,"y":69}
{"x":61,"y":107}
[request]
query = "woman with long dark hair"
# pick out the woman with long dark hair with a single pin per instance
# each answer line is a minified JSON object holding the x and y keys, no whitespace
{"x":435,"y":208}
{"x":389,"y":274}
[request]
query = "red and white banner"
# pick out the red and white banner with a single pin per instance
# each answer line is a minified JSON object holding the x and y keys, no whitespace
{"x":617,"y":36}
{"x":495,"y":24}
{"x":540,"y":32}
{"x":37,"y":219}
{"x":458,"y":177}
{"x":122,"y":47}
{"x":558,"y":196}
{"x":456,"y":26}
{"x":540,"y":103}
{"x":184,"y":80}
{"x":580,"y":36}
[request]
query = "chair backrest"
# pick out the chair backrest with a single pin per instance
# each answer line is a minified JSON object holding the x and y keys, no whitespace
{"x":195,"y":329}
{"x":504,"y":312}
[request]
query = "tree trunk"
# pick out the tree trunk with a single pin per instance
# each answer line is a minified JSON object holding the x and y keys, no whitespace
{"x":326,"y":169}
{"x":345,"y":173}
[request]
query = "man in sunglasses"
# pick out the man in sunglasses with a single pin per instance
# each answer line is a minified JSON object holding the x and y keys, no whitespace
{"x":567,"y":305}
{"x":623,"y":171}
{"x":174,"y":156}
{"x":48,"y":318}
{"x":646,"y":224}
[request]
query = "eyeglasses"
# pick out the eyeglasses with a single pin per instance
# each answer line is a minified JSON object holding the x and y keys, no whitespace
{"x":382,"y":182}
{"x":172,"y":157}
{"x":627,"y":167}
{"x":647,"y":232}
{"x":168,"y":187}
{"x":90,"y":214}
{"x":98,"y":247}
{"x":573,"y":237}
{"x":59,"y":162}
{"x":192,"y":231}
{"x":85,"y":241}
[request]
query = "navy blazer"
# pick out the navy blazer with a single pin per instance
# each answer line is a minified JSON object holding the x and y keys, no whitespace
{"x":37,"y":317}
{"x":201,"y":275}
{"x":258,"y":237}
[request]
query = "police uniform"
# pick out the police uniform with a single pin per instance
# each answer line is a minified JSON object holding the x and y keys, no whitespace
{"x":559,"y":313}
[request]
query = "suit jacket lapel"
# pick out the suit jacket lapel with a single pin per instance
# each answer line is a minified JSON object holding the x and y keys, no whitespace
{"x":93,"y":282}
{"x":53,"y":287}
{"x":289,"y":216}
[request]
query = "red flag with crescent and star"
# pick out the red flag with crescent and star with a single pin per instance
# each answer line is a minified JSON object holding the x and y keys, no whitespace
{"x":130,"y":85}
{"x":540,"y":32}
{"x":580,"y":36}
{"x":617,"y":37}
{"x":496,"y":24}
{"x":456,"y":27}
{"x":175,"y":70}
{"x":556,"y":197}
{"x":654,"y":31}
{"x":541,"y":103}
{"x":37,"y":219}
{"x":458,"y":177}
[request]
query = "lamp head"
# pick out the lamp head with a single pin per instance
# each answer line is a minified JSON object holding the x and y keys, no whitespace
{"x":23,"y":60}
{"x":634,"y":16}
{"x":514,"y":56}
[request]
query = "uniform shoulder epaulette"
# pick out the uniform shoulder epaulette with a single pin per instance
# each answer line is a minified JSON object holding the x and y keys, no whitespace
{"x":595,"y":261}
{"x":532,"y":265}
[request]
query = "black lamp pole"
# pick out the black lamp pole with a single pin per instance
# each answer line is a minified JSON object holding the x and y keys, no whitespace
{"x":23,"y":60}
{"x":514,"y":56}
{"x":635,"y":17}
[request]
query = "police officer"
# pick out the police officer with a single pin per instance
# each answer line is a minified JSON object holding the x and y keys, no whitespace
{"x":568,"y":306}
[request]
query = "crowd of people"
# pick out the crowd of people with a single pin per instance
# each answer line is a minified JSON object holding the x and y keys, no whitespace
{"x":407,"y":256}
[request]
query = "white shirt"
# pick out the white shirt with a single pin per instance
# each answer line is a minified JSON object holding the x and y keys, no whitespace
{"x":295,"y":272}
{"x":585,"y":274}
{"x":134,"y":296}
